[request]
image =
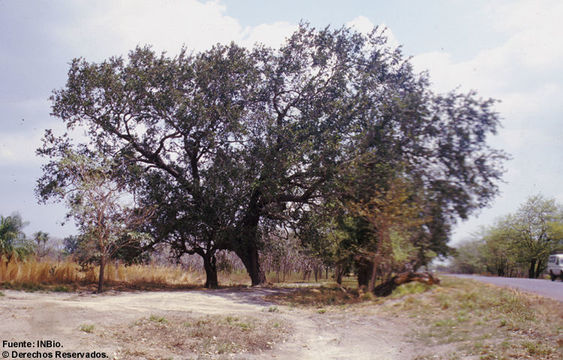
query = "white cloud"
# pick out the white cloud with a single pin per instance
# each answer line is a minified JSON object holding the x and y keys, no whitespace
{"x":271,"y":35}
{"x":106,"y":28}
{"x":364,"y":25}
{"x":532,"y":48}
{"x":361,"y":24}
{"x":525,"y":73}
{"x":98,"y":30}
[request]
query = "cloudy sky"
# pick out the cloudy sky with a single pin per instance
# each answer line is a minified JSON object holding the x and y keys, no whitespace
{"x":509,"y":50}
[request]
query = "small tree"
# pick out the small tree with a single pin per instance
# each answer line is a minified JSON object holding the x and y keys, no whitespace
{"x":41,"y":239}
{"x":97,"y":201}
{"x":392,"y":216}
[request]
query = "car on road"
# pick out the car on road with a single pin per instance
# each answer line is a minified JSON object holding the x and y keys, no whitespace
{"x":555,"y":266}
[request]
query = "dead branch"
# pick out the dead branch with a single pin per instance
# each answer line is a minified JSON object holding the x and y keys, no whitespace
{"x":387,"y":287}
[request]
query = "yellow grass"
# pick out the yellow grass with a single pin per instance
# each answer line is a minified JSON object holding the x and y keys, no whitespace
{"x":33,"y":274}
{"x":48,"y":272}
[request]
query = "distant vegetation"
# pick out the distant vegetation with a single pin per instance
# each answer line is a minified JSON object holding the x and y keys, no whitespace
{"x":13,"y":242}
{"x":517,"y":244}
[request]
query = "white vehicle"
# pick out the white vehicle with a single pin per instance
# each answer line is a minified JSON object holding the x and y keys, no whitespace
{"x":555,"y":266}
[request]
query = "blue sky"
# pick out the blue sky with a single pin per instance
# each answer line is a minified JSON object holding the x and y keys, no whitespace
{"x":508,"y":50}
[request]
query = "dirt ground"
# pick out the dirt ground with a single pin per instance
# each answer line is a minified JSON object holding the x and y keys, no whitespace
{"x":312,"y":334}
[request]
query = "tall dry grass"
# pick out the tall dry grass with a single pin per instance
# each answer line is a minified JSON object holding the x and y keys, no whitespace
{"x":33,"y":273}
{"x":17,"y":272}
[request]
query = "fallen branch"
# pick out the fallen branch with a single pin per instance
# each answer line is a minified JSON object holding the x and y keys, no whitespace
{"x":386,"y":288}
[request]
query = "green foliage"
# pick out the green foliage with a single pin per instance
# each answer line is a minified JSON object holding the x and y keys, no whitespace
{"x":12,"y":239}
{"x":10,"y":231}
{"x":410,"y":288}
{"x":518,"y":244}
{"x":61,"y":288}
{"x":41,"y":237}
{"x":97,"y":198}
{"x":158,"y":319}
{"x":536,"y":231}
{"x":71,"y":244}
{"x":232,"y":143}
{"x":469,"y":258}
{"x":87,"y":328}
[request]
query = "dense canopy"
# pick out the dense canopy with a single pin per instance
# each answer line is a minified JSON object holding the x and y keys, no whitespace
{"x":231,"y":143}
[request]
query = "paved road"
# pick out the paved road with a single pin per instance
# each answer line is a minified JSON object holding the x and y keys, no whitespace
{"x":548,"y":288}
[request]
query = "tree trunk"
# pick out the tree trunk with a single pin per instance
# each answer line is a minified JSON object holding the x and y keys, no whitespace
{"x":340,"y":270}
{"x":373,"y":277}
{"x":364,"y":270}
{"x":540,"y":267}
{"x":246,"y":246}
{"x":339,"y":273}
{"x":210,"y":266}
{"x":101,"y":274}
{"x":249,"y":256}
{"x":532,"y":269}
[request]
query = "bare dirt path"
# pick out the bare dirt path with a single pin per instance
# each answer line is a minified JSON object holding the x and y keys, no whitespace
{"x":344,"y":336}
{"x":314,"y":335}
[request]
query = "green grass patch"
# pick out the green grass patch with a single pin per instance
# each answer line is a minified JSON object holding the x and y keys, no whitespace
{"x":538,"y":350}
{"x":410,"y":289}
{"x":62,"y":288}
{"x":158,"y":319}
{"x":87,"y":328}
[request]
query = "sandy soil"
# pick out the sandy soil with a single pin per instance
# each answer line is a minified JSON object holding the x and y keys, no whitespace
{"x":331,"y":335}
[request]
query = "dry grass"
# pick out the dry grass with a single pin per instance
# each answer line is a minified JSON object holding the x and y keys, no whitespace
{"x":319,"y":297}
{"x":216,"y":337}
{"x":240,"y":277}
{"x":59,"y":275}
{"x":463,"y":318}
{"x":67,"y":275}
{"x":235,"y":278}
